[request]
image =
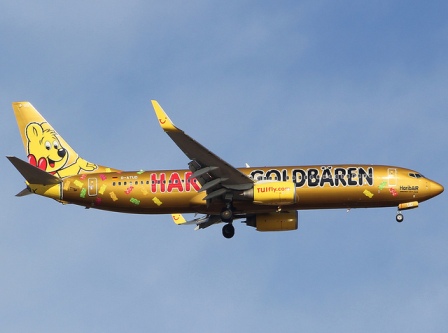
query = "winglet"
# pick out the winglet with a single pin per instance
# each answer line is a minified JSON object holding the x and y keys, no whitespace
{"x":164,"y":121}
{"x":178,"y":219}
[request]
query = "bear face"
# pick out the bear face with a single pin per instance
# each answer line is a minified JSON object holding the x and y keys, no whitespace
{"x":44,"y":148}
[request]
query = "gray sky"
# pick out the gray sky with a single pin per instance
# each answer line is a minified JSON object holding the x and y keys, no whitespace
{"x":284,"y":83}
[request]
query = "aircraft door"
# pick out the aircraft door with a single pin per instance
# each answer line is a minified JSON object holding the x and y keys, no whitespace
{"x":392,"y":176}
{"x":92,"y":188}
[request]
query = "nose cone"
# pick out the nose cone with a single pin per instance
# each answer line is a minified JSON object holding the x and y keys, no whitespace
{"x":436,"y":188}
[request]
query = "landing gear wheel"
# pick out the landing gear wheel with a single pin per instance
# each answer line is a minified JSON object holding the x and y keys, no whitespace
{"x":399,"y":217}
{"x":227,"y":215}
{"x":228,"y":230}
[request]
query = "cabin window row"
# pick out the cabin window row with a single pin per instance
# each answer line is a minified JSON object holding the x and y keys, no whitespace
{"x":152,"y":182}
{"x":318,"y":177}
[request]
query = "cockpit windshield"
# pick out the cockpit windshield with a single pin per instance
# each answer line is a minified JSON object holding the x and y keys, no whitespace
{"x":416,"y":175}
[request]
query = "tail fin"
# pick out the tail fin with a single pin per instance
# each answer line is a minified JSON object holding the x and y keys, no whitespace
{"x":45,"y":148}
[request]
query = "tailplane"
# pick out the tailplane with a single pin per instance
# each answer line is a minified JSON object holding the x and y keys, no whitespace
{"x":33,"y":176}
{"x":45,"y":148}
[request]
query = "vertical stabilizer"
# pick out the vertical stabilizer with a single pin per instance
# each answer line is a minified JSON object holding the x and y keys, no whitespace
{"x":45,"y":148}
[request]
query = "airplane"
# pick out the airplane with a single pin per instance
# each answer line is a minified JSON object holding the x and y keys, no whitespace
{"x":267,"y":198}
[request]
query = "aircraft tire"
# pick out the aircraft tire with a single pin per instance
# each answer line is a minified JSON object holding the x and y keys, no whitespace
{"x":228,"y":231}
{"x":399,"y":217}
{"x":227,"y":215}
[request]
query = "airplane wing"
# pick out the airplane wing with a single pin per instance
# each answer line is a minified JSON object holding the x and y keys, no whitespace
{"x":215,"y":175}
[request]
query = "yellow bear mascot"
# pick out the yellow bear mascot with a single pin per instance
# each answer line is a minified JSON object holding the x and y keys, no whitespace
{"x":46,"y":152}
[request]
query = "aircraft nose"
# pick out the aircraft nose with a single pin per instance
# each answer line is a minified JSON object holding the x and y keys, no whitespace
{"x":436,"y":188}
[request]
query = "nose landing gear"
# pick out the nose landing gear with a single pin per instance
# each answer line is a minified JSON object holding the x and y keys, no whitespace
{"x":405,"y":206}
{"x":399,"y":217}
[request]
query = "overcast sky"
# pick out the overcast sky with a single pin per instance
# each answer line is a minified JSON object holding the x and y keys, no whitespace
{"x":267,"y":83}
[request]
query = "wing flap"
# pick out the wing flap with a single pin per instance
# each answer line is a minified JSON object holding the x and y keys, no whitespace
{"x":215,"y":194}
{"x":203,"y":171}
{"x":212,"y":184}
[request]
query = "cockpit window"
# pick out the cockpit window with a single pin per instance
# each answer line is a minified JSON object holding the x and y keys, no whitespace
{"x":416,"y":175}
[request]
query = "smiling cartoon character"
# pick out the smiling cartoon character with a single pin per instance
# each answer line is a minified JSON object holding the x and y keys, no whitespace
{"x":46,"y":152}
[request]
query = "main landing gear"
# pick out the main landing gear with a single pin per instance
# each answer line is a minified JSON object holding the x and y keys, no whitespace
{"x":399,"y":217}
{"x":227,"y":214}
{"x":228,"y":231}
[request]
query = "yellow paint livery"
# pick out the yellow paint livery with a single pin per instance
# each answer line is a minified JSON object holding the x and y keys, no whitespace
{"x":164,"y":121}
{"x":267,"y":198}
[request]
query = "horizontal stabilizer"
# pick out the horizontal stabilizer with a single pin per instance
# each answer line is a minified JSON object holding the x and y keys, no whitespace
{"x":178,"y":218}
{"x":32,"y":174}
{"x":201,"y":222}
{"x":24,"y":192}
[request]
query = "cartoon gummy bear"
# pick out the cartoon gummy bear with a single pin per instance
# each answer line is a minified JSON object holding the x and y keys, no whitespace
{"x":46,"y":152}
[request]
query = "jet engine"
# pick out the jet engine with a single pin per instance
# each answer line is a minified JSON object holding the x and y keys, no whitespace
{"x":272,"y":193}
{"x":282,"y":221}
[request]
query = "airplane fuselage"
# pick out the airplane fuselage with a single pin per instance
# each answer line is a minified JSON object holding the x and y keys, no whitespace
{"x":267,"y":197}
{"x":316,"y":187}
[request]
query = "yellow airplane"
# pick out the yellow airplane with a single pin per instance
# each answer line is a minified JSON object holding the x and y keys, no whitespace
{"x":266,"y":197}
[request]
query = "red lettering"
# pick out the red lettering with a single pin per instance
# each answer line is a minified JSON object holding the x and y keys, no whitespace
{"x":191,"y":182}
{"x":175,"y":183}
{"x":157,"y":180}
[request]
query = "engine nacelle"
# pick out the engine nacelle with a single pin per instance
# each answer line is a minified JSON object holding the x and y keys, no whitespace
{"x":272,"y":193}
{"x":282,"y":221}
